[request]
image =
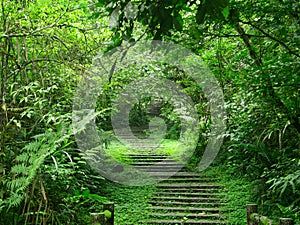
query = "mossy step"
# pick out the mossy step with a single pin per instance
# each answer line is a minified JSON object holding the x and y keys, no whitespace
{"x":160,"y":163}
{"x":147,"y":156}
{"x":192,"y":190}
{"x":200,"y":179}
{"x":135,"y":146}
{"x":157,"y":166}
{"x":187,"y":204}
{"x":186,"y":199}
{"x":153,"y":160}
{"x":171,"y":193}
{"x":187,"y":185}
{"x":186,"y":209}
{"x":182,"y":175}
{"x":159,"y":169}
{"x":185,"y":222}
{"x":188,"y":215}
{"x":191,"y":174}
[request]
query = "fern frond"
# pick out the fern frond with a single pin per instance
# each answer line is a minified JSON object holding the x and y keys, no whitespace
{"x":20,"y":169}
{"x":33,"y":146}
{"x":30,"y":161}
{"x":15,"y":199}
{"x":17,"y":183}
{"x":23,"y":157}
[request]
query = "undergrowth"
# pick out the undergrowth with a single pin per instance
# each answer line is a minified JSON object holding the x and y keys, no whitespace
{"x":237,"y":194}
{"x":131,"y":202}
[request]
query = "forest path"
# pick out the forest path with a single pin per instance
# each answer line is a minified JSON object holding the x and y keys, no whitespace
{"x":182,"y":197}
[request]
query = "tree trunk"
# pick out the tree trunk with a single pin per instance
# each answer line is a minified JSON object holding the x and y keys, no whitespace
{"x":270,"y":92}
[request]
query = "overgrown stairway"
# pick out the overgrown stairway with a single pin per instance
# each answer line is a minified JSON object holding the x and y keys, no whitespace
{"x":183,"y":198}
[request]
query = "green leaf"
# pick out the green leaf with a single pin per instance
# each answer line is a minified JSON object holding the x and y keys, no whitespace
{"x":86,"y":192}
{"x":95,"y":15}
{"x":107,"y":214}
{"x":225,"y":12}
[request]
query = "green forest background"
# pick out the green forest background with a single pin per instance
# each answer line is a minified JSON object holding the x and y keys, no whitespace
{"x":252,"y":48}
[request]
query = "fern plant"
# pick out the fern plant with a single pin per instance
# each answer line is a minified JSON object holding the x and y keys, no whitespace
{"x":29,"y":162}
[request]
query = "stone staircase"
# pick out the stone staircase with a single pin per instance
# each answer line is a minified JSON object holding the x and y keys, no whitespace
{"x":182,"y":197}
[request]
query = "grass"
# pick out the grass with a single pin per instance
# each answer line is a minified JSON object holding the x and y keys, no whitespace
{"x":237,"y":194}
{"x":172,"y":148}
{"x":130,"y":202}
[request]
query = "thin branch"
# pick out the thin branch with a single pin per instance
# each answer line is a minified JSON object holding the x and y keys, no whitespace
{"x":30,"y":62}
{"x":223,"y":35}
{"x":33,"y":33}
{"x":12,"y":57}
{"x":246,"y":40}
{"x":272,"y":38}
{"x":21,"y":35}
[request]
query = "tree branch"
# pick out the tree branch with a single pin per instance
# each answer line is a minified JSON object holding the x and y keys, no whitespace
{"x":246,"y":40}
{"x":270,"y":88}
{"x":272,"y":38}
{"x":223,"y":35}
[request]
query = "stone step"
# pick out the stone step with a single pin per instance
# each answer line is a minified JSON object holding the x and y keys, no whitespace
{"x":186,"y":199}
{"x":193,"y":190}
{"x":187,"y":215}
{"x":159,"y":169}
{"x":146,"y":156}
{"x":129,"y":138}
{"x":191,"y":175}
{"x":161,"y":163}
{"x":146,"y":147}
{"x":185,"y":222}
{"x":200,"y":179}
{"x":153,"y":160}
{"x":182,"y":197}
{"x":185,"y":209}
{"x":188,"y":194}
{"x":180,"y":175}
{"x":187,"y":185}
{"x":187,"y":204}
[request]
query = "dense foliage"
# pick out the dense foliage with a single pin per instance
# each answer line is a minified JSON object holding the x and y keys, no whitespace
{"x":253,"y":49}
{"x":46,"y":46}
